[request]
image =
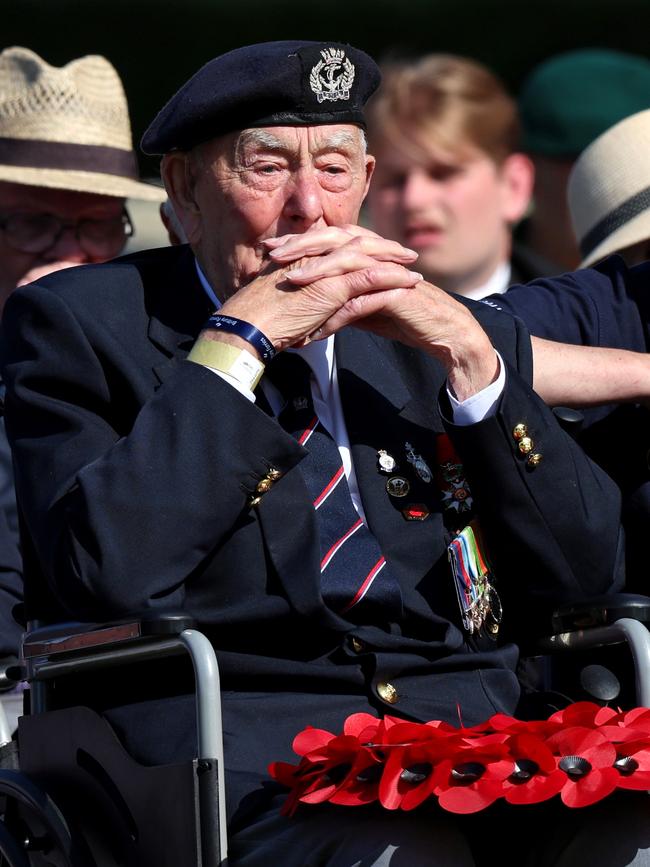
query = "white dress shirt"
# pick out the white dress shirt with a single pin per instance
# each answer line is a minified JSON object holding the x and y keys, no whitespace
{"x":496,"y":285}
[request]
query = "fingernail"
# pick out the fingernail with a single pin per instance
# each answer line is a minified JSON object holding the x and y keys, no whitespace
{"x":297,"y":272}
{"x":416,"y":275}
{"x":412,"y":252}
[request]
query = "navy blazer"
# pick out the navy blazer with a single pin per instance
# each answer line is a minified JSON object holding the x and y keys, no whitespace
{"x":609,"y":306}
{"x":134,"y":471}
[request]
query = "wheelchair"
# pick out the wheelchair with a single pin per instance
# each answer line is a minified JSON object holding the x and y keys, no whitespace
{"x":76,"y":798}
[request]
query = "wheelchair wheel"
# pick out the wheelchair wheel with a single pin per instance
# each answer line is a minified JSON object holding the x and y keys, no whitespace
{"x":33,"y":831}
{"x":12,"y":852}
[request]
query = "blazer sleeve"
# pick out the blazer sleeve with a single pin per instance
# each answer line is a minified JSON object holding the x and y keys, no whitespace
{"x":552,"y":525}
{"x":124,"y":504}
{"x":608,"y":305}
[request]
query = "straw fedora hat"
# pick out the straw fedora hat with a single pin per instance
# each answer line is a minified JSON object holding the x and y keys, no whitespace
{"x":609,"y":189}
{"x":67,"y":127}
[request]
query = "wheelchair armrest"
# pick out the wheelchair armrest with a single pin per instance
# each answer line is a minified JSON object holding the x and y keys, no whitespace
{"x":618,"y":618}
{"x":74,"y":636}
{"x":600,"y":611}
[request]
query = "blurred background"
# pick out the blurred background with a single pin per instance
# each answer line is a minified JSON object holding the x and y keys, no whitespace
{"x":157,"y":44}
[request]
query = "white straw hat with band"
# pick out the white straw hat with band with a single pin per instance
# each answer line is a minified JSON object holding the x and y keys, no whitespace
{"x":67,"y":127}
{"x":609,"y":189}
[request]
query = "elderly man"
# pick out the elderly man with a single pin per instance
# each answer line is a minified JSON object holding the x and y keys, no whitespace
{"x":300,"y":506}
{"x":66,"y":167}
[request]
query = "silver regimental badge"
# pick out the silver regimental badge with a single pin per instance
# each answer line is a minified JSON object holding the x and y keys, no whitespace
{"x":387,"y":463}
{"x":300,"y":403}
{"x":332,"y":77}
{"x":418,"y":463}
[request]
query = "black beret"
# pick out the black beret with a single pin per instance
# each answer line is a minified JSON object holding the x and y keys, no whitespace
{"x":270,"y":84}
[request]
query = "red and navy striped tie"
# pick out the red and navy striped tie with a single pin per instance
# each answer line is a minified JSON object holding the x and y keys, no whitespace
{"x":356,"y":580}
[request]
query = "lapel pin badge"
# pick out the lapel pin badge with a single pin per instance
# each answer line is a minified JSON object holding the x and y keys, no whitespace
{"x":398,"y":486}
{"x":386,"y":462}
{"x":300,"y":403}
{"x":416,"y":512}
{"x":418,"y":463}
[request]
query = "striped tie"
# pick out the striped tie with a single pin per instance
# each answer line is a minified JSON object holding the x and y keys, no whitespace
{"x":354,"y":572}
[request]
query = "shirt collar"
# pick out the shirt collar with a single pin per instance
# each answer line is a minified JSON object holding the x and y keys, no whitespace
{"x":319,"y":355}
{"x":496,"y":285}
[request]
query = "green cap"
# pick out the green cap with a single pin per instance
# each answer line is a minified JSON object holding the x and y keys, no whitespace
{"x":569,"y":100}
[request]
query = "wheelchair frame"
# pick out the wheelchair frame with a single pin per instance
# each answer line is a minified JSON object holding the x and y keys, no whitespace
{"x":53,"y":652}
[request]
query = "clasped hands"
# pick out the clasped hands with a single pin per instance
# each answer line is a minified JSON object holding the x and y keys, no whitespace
{"x":317,"y":282}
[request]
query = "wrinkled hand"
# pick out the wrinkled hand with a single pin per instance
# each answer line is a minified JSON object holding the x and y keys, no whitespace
{"x":348,"y":275}
{"x":422,"y":316}
{"x":289,"y":309}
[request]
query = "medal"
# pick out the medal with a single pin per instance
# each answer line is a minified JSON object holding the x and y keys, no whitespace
{"x":418,"y":463}
{"x":478,"y":601}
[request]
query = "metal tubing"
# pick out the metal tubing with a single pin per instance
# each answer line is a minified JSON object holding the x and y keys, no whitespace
{"x":632,"y":632}
{"x":208,"y":715}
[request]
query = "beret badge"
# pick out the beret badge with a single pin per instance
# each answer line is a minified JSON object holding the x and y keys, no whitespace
{"x":332,"y":77}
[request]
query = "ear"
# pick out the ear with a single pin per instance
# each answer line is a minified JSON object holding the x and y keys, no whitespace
{"x":517,"y":178}
{"x":371,"y":162}
{"x":176,"y":175}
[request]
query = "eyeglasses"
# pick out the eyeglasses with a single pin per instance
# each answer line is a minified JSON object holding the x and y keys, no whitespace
{"x":37,"y":233}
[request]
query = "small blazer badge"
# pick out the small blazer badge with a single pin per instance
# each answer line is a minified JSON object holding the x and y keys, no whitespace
{"x":418,"y":463}
{"x":454,"y":487}
{"x":332,"y":77}
{"x":405,"y":488}
{"x":385,"y":462}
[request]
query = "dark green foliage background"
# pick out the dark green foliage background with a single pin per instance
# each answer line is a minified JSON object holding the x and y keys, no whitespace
{"x":157,"y":44}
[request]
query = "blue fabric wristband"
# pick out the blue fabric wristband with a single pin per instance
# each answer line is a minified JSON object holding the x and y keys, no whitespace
{"x":244,"y":330}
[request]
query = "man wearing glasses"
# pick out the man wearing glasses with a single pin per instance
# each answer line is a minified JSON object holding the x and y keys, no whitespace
{"x":66,"y":167}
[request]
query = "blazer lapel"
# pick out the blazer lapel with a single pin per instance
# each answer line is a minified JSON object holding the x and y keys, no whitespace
{"x":384,"y":410}
{"x":178,"y":308}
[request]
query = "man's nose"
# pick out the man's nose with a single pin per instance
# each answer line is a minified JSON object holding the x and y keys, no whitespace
{"x":304,"y":204}
{"x":67,"y":248}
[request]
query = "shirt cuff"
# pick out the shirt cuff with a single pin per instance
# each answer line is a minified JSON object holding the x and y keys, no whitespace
{"x":481,"y":405}
{"x":240,"y":386}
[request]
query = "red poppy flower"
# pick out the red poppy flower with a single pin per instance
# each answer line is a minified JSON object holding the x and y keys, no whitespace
{"x":412,"y":751}
{"x":633,"y":764}
{"x":299,"y":779}
{"x":472,"y":778}
{"x":585,"y":714}
{"x":536,"y":776}
{"x":587,"y":758}
{"x":332,"y":768}
{"x":543,"y":728}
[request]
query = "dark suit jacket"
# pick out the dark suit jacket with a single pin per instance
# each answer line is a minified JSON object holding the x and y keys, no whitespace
{"x":609,"y":306}
{"x":134,"y":471}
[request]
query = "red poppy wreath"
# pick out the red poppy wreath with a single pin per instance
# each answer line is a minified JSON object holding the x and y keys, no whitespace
{"x":582,"y":753}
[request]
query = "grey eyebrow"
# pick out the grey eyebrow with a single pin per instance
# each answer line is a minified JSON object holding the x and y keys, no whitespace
{"x":263,"y":138}
{"x":260,"y":137}
{"x":341,"y":139}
